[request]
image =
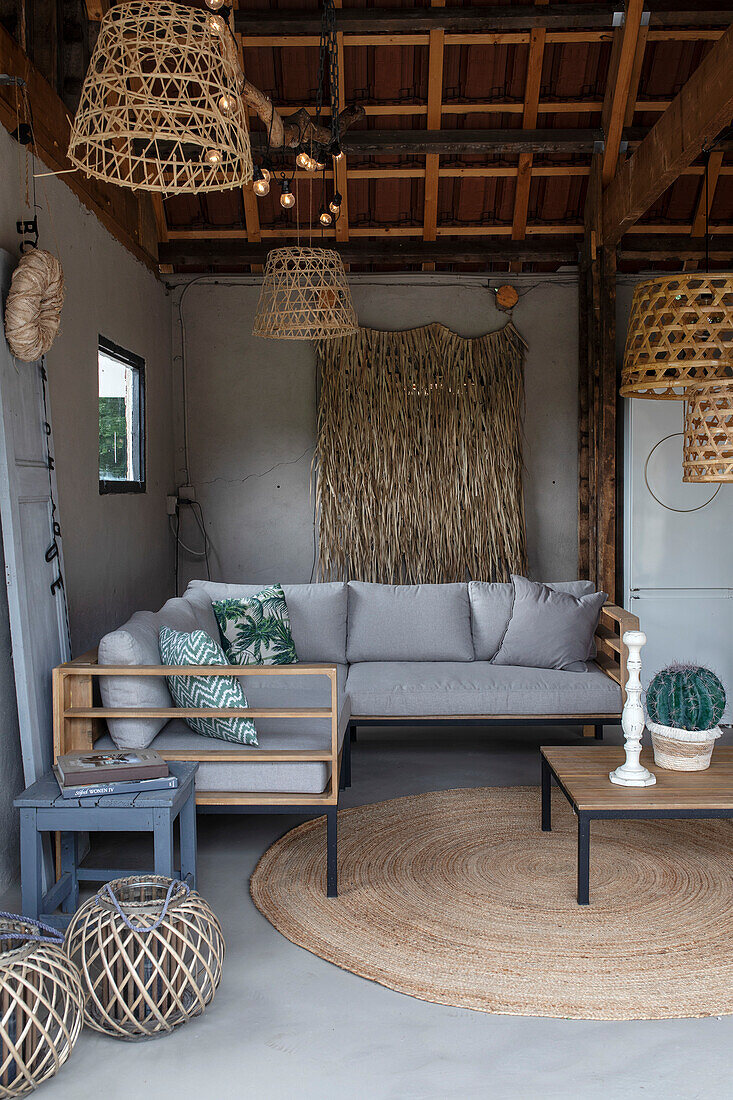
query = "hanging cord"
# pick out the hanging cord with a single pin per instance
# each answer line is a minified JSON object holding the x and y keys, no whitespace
{"x":53,"y":553}
{"x":107,"y":889}
{"x":53,"y":935}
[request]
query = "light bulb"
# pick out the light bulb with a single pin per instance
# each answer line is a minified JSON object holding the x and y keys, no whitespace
{"x":324,"y":217}
{"x":335,"y":204}
{"x":214,"y":4}
{"x":266,"y":168}
{"x":319,"y":162}
{"x":303,"y":159}
{"x":260,"y":184}
{"x":216,"y":24}
{"x":287,"y":198}
{"x":335,"y":150}
{"x":225,"y":103}
{"x":212,"y":157}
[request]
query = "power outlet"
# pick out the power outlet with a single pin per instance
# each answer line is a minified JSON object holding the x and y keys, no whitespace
{"x":186,"y":492}
{"x":171,"y":503}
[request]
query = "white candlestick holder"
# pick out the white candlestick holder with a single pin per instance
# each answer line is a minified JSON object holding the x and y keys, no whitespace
{"x":632,"y":773}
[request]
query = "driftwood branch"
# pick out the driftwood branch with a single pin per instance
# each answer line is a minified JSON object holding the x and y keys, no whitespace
{"x":300,"y":127}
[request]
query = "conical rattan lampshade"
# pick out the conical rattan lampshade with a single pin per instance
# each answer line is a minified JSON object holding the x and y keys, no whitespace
{"x":161,"y":107}
{"x":680,"y":334}
{"x":708,"y":439}
{"x":304,"y":296}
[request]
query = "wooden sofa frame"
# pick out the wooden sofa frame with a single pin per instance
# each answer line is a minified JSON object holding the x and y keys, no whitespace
{"x":78,"y":723}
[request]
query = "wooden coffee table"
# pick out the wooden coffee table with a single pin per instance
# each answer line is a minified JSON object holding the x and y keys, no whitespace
{"x":581,"y":772}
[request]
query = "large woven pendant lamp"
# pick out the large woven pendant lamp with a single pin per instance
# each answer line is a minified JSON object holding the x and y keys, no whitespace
{"x":708,"y":435}
{"x":161,"y":107}
{"x":304,"y":296}
{"x":680,"y":334}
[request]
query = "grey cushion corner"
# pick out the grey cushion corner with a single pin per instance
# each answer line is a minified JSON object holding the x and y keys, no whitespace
{"x":549,"y":629}
{"x":408,"y":622}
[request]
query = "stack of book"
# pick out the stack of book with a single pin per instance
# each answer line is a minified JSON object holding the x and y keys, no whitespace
{"x":88,"y":774}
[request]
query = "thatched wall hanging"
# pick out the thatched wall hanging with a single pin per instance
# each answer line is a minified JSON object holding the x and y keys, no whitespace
{"x":419,"y":456}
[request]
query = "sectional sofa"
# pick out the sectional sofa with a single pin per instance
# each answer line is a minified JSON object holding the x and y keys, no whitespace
{"x":368,"y":654}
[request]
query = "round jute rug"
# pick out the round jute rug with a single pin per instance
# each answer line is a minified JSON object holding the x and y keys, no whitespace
{"x":458,"y":897}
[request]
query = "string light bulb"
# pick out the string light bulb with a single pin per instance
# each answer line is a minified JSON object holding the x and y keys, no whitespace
{"x":325,"y":217}
{"x":214,"y":5}
{"x":335,"y":204}
{"x":335,"y":149}
{"x":266,"y":168}
{"x":216,"y":24}
{"x":225,"y":103}
{"x":212,"y":157}
{"x":303,"y":158}
{"x":260,"y":182}
{"x":287,"y":198}
{"x":319,"y":163}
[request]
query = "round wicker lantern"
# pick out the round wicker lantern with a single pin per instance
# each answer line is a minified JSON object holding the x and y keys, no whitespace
{"x":41,"y":1006}
{"x":680,"y":334}
{"x":304,"y":296}
{"x":708,"y":435}
{"x":161,"y":107}
{"x":150,"y":952}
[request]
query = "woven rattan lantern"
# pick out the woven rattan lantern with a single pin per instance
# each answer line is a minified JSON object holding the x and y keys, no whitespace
{"x":708,"y":436}
{"x":150,"y":953}
{"x":161,"y":107}
{"x":304,"y":296}
{"x":680,"y":334}
{"x":41,"y":1006}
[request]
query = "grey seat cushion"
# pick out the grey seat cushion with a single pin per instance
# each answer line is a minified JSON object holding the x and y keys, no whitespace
{"x":404,"y":689}
{"x":409,"y":622}
{"x":257,"y":777}
{"x":491,"y":608}
{"x":317,"y":614}
{"x":136,"y":643}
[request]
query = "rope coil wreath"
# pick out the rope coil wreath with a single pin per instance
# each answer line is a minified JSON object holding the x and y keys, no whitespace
{"x":33,"y":308}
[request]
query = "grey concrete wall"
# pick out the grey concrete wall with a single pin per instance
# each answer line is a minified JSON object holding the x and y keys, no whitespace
{"x":252,"y":415}
{"x":118,"y":549}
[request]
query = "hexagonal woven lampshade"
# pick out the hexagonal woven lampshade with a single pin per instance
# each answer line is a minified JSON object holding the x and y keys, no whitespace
{"x":708,"y":438}
{"x":680,"y":334}
{"x":304,"y":296}
{"x":161,"y":107}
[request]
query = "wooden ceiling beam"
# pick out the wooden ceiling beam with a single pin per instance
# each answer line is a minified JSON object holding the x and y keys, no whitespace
{"x":498,"y":38}
{"x":702,"y":209}
{"x":621,"y":71}
{"x":639,"y":247}
{"x":434,"y":115}
{"x":532,"y":89}
{"x":701,"y":110}
{"x":562,"y":17}
{"x":457,"y":142}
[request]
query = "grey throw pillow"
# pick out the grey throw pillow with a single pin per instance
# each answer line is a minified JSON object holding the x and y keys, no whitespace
{"x":549,"y":629}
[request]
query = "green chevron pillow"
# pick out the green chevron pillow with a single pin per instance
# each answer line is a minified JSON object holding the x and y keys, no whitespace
{"x":255,"y":630}
{"x":197,"y":648}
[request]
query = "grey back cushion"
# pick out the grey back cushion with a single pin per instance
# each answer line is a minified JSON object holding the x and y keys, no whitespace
{"x":317,"y":614}
{"x":491,"y":608}
{"x":136,"y":643}
{"x":549,"y":629}
{"x":409,"y":622}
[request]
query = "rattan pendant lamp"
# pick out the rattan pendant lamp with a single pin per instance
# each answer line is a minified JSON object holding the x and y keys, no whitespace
{"x":305,"y":295}
{"x":680,"y":332}
{"x":161,"y":108}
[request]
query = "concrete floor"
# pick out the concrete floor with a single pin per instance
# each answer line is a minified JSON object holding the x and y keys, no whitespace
{"x":288,"y":1025}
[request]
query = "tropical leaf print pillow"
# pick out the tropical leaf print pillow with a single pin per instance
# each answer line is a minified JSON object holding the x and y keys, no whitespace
{"x":255,"y":630}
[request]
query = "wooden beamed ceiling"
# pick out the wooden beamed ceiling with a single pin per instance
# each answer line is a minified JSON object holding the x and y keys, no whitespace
{"x":481,"y":127}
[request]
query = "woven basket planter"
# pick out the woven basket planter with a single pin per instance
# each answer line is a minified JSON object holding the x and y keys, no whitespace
{"x":41,"y":1007}
{"x":708,"y":446}
{"x":680,"y":334}
{"x":150,"y":952}
{"x":682,"y":750}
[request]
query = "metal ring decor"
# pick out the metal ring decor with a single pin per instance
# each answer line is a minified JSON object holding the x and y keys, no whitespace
{"x":698,"y":507}
{"x":41,"y":1005}
{"x":33,"y":308}
{"x":150,"y":952}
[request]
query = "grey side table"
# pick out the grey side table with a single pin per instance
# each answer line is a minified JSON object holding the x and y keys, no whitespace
{"x":43,"y":809}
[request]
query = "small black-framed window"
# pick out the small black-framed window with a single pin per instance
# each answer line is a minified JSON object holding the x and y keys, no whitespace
{"x":121,"y":419}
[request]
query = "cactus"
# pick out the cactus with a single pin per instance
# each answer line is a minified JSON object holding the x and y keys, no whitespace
{"x":687,"y":697}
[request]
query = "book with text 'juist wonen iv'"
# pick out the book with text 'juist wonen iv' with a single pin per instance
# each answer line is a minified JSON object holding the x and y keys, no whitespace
{"x":124,"y":786}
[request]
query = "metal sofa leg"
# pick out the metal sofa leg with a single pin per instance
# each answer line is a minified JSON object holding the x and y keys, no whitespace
{"x":352,"y":731}
{"x":346,"y":762}
{"x":332,"y":852}
{"x":598,"y":732}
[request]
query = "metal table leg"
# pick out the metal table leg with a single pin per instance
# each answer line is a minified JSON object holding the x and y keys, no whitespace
{"x":583,"y":859}
{"x":546,"y":797}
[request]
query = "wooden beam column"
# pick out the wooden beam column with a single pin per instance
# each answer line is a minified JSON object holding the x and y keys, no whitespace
{"x":529,"y":122}
{"x":621,"y":71}
{"x":434,"y":119}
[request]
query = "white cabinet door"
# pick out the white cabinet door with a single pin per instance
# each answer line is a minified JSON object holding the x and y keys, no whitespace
{"x":37,"y":613}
